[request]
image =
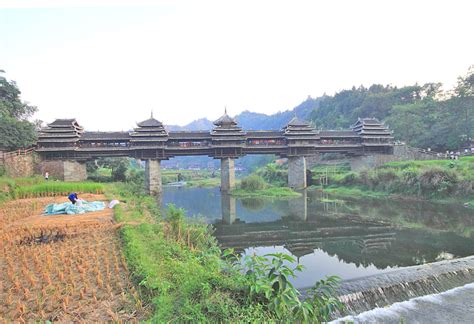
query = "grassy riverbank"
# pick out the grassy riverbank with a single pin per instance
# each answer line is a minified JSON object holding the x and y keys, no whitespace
{"x":172,"y":175}
{"x":176,"y":264}
{"x":272,"y":192}
{"x":182,"y":276}
{"x":440,"y":180}
{"x":255,"y":186}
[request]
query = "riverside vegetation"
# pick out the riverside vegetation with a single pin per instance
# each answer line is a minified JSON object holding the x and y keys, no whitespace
{"x":267,"y":181}
{"x":184,"y":275}
{"x":177,"y":270}
{"x":443,"y":180}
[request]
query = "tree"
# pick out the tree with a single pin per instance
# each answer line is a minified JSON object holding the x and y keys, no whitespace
{"x":465,"y":86}
{"x":118,"y":166}
{"x":423,"y":116}
{"x":15,"y":129}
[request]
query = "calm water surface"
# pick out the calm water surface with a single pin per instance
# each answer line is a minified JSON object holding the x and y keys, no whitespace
{"x":330,"y":236}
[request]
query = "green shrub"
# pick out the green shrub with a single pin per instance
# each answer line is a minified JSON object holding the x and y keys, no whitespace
{"x":434,"y":180}
{"x":253,"y":183}
{"x":136,"y":182}
{"x":274,"y":175}
{"x":386,"y":175}
{"x":119,"y":173}
{"x":99,"y":178}
{"x":267,"y":281}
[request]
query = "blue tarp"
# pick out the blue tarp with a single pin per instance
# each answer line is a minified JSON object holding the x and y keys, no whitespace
{"x":70,"y":209}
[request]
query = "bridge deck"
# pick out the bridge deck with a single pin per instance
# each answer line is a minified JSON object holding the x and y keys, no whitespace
{"x":151,"y":141}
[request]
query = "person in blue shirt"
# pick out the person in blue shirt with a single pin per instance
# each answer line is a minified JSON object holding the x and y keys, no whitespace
{"x":73,"y":197}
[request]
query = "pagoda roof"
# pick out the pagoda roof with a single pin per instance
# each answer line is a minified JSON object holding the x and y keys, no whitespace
{"x":151,"y":122}
{"x":296,"y":122}
{"x":159,"y":129}
{"x":366,"y":122}
{"x":64,"y":122}
{"x":58,"y":130}
{"x":225,"y":120}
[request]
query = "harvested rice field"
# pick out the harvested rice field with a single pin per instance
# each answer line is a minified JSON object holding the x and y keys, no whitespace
{"x":63,"y":268}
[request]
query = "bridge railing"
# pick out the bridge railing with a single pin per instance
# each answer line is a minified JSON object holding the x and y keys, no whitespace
{"x":18,"y":152}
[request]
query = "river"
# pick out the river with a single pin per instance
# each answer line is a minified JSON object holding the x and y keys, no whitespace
{"x":328,"y":235}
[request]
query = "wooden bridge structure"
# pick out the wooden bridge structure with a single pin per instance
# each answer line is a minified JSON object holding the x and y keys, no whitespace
{"x":65,"y":146}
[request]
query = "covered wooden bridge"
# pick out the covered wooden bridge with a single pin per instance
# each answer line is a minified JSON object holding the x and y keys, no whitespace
{"x":65,"y":147}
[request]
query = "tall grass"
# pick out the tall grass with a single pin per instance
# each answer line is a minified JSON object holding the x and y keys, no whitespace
{"x":432,"y":179}
{"x":47,"y":189}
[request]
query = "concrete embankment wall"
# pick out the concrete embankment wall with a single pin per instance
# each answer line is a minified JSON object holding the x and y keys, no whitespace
{"x":363,"y":294}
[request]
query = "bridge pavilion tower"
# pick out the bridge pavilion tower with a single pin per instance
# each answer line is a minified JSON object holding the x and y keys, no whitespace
{"x":228,"y":141}
{"x":301,"y":140}
{"x":374,"y":135}
{"x":57,"y":144}
{"x":148,"y":143}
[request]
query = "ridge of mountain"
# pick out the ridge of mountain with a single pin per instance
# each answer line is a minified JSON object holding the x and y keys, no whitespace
{"x":254,"y":121}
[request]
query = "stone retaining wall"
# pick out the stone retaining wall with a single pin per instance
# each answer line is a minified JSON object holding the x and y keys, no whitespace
{"x":19,"y":166}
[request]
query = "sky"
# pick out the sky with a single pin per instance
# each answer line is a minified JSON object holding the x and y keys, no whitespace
{"x":110,"y":63}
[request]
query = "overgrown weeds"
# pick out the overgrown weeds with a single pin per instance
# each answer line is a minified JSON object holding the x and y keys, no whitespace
{"x":180,"y":271}
{"x":429,"y":179}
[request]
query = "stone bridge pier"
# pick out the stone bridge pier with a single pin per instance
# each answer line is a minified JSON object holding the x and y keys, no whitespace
{"x":227,"y":174}
{"x":297,"y":172}
{"x":153,"y":183}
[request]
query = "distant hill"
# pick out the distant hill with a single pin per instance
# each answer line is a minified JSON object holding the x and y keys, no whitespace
{"x":253,"y":121}
{"x":199,"y":124}
{"x":248,"y":121}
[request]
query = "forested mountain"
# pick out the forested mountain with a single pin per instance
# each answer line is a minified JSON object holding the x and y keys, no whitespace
{"x":422,"y":115}
{"x":254,"y":121}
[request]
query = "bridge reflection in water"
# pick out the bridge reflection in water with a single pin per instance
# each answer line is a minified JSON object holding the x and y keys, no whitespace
{"x":295,"y":232}
{"x":351,"y":239}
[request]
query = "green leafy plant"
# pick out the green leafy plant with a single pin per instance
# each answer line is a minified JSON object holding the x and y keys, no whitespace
{"x":268,"y":282}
